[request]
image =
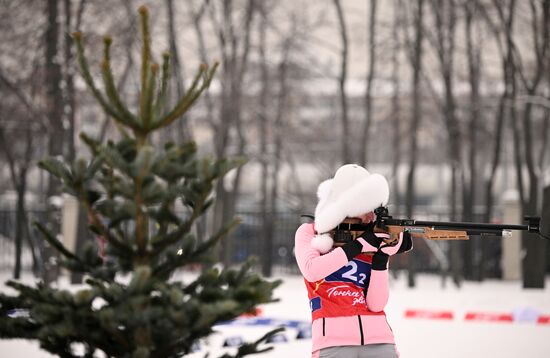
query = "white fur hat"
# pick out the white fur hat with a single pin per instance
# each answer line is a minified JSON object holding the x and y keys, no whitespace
{"x":352,"y":192}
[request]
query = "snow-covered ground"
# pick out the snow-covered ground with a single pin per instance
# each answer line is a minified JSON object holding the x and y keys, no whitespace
{"x":416,"y":337}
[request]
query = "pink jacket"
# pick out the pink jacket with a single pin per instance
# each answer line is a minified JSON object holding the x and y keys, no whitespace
{"x":344,"y":330}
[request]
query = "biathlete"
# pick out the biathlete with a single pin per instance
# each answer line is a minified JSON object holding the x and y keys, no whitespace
{"x":346,"y":271}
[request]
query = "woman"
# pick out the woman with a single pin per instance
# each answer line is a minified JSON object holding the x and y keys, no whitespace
{"x":348,"y":288}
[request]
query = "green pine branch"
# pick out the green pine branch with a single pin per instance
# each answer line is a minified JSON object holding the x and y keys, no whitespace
{"x":145,"y":55}
{"x":253,"y":348}
{"x":86,"y":74}
{"x":195,"y":90}
{"x":110,"y":87}
{"x":52,"y":240}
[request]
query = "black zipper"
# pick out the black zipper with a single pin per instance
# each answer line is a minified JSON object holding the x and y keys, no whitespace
{"x":323,"y":326}
{"x":361,"y":330}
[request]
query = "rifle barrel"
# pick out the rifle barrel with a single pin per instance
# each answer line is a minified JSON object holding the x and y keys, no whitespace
{"x":480,"y":227}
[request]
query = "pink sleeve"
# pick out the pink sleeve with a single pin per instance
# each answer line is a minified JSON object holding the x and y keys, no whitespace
{"x":312,"y":264}
{"x":378,"y":291}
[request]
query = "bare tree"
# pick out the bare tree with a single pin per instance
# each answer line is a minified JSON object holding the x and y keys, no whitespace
{"x":52,"y":80}
{"x":415,"y":55}
{"x":444,"y":42}
{"x":70,"y":104}
{"x":69,"y":70}
{"x":197,"y":20}
{"x":279,"y":125}
{"x":472,"y":258}
{"x":263,"y":123}
{"x":234,"y":46}
{"x":522,"y":131}
{"x":184,"y":128}
{"x":501,"y":32}
{"x":275,"y":107}
{"x":342,"y":78}
{"x":54,"y":109}
{"x":396,"y":116}
{"x":19,"y":153}
{"x":364,"y":140}
{"x":22,"y":117}
{"x":534,"y":262}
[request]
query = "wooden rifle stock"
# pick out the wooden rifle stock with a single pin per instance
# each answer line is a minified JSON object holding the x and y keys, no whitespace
{"x":420,"y":232}
{"x":424,"y":232}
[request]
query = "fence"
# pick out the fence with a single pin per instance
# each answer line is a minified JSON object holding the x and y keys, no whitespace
{"x":429,"y":256}
{"x":247,"y":240}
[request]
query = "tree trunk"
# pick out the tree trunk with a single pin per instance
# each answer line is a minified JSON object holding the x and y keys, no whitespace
{"x":444,"y":13}
{"x":53,"y":78}
{"x":185,"y":133}
{"x":534,"y":260}
{"x":267,"y":247}
{"x":504,"y":113}
{"x":416,"y":66}
{"x":364,"y":141}
{"x":197,"y":17}
{"x":473,"y":49}
{"x":395,"y":106}
{"x":70,"y":101}
{"x":342,"y":78}
{"x":20,"y":221}
{"x":278,"y":125}
{"x":18,"y":169}
{"x":54,"y":100}
{"x":496,"y":154}
{"x":83,"y":234}
{"x":235,"y":55}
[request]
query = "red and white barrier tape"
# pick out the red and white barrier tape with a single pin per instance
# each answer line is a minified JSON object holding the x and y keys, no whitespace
{"x":429,"y":314}
{"x":528,"y":316}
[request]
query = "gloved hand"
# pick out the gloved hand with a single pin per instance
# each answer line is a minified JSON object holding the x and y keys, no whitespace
{"x":380,"y":258}
{"x":370,"y":240}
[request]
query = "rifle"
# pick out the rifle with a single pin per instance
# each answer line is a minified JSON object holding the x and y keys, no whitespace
{"x":441,"y":230}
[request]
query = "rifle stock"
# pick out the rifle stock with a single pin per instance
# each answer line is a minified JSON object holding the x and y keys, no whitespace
{"x":434,"y":234}
{"x":424,"y":232}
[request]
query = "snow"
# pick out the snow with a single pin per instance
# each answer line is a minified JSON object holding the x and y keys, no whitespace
{"x":416,"y":337}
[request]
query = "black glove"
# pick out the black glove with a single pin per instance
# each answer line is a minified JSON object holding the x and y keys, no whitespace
{"x":380,"y":261}
{"x":380,"y":258}
{"x":370,"y":237}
